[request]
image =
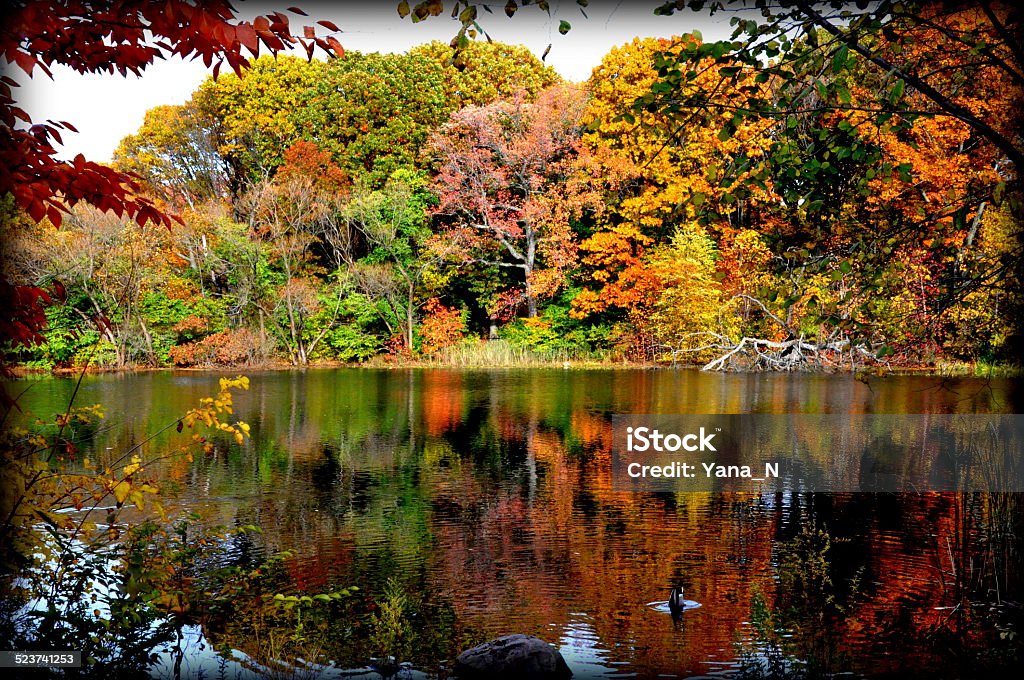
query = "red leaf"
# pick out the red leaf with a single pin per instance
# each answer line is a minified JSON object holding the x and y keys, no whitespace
{"x":296,"y":10}
{"x":36,"y":210}
{"x":329,"y":25}
{"x":245,"y":35}
{"x":25,"y":61}
{"x":54,"y":215}
{"x":309,"y":32}
{"x":336,"y":46}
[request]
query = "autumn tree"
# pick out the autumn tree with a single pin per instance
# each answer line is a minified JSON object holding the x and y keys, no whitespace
{"x":509,"y":186}
{"x":887,"y":130}
{"x":114,"y":36}
{"x":909,"y":104}
{"x":691,"y":311}
{"x":484,"y":72}
{"x":175,"y":156}
{"x":252,"y":114}
{"x":657,"y":172}
{"x":100,"y":260}
{"x":395,"y":223}
{"x":290,"y":213}
{"x":373,"y":112}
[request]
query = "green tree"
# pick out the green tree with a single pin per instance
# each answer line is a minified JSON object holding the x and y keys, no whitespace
{"x":395,"y":223}
{"x":373,"y":112}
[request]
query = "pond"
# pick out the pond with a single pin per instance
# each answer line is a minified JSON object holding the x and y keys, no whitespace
{"x":486,"y":499}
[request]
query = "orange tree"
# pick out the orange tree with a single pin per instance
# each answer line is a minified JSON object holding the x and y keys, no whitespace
{"x":896,"y":125}
{"x":658,"y":174}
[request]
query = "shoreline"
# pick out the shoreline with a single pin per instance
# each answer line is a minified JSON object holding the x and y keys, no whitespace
{"x":942,"y":370}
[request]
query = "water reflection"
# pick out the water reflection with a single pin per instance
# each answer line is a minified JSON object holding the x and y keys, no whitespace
{"x":487,"y":497}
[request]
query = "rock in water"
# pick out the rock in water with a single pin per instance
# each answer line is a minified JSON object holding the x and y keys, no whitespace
{"x":512,"y":656}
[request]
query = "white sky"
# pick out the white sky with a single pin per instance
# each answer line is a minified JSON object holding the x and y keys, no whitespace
{"x":106,"y":108}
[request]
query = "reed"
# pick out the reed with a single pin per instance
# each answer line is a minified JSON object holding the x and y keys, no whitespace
{"x":501,"y":353}
{"x":977,"y":369}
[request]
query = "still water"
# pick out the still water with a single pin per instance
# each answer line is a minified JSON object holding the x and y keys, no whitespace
{"x":486,"y":497}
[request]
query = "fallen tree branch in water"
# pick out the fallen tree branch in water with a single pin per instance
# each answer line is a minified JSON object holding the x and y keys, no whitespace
{"x":754,"y":354}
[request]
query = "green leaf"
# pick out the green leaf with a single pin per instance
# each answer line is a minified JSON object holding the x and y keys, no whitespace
{"x":564,"y":26}
{"x":844,"y":94}
{"x":897,"y":92}
{"x":839,"y":58}
{"x":725,"y":134}
{"x":997,"y":193}
{"x":697,"y":199}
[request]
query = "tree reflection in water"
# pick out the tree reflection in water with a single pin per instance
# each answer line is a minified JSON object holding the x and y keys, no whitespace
{"x":466,"y":505}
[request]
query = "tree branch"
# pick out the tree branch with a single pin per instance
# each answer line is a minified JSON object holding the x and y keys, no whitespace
{"x":959,"y":112}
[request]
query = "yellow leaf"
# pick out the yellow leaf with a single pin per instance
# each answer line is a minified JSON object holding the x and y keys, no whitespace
{"x":121,"y":491}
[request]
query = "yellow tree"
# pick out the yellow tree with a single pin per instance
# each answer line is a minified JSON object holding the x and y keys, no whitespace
{"x":690,"y":316}
{"x":658,"y":171}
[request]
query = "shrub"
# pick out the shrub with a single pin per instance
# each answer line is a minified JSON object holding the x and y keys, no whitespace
{"x":350,"y":343}
{"x":225,"y":348}
{"x":554,"y":331}
{"x":191,"y":327}
{"x":442,"y":327}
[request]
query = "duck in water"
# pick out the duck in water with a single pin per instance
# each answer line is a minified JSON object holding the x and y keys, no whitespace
{"x":676,"y":604}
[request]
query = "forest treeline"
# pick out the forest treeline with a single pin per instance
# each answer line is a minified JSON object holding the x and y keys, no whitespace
{"x":402,"y":206}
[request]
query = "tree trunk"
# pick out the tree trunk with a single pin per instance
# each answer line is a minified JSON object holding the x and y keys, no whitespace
{"x":531,"y":256}
{"x":149,"y":341}
{"x":409,"y":318}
